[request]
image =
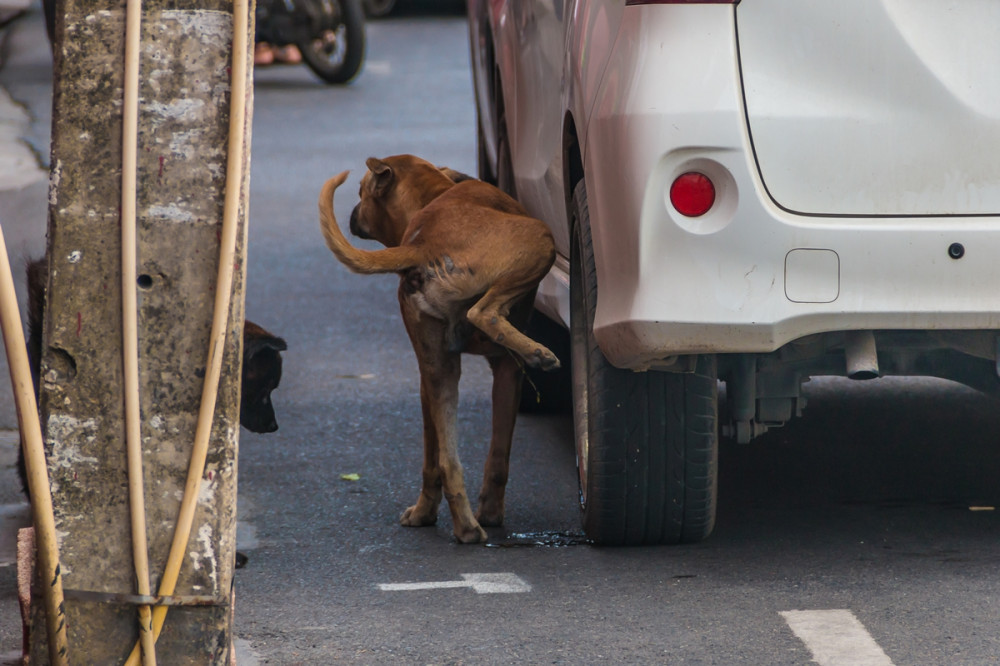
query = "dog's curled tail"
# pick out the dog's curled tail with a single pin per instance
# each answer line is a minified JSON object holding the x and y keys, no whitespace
{"x":389,"y":260}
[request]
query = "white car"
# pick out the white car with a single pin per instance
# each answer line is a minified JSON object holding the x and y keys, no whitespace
{"x":758,"y":192}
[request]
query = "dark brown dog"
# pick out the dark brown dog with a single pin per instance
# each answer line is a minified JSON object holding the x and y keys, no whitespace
{"x":261,"y":359}
{"x":468,"y":257}
{"x":261,"y":375}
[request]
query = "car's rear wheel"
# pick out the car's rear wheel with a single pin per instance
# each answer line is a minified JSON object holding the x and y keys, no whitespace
{"x":646,"y":442}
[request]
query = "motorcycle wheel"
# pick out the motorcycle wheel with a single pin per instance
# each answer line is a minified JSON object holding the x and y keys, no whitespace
{"x":335,"y":48}
{"x":378,"y":8}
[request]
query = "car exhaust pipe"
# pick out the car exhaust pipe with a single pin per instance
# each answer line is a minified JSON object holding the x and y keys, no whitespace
{"x":861,"y":355}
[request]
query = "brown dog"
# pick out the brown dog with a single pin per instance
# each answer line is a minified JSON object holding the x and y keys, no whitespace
{"x":468,"y":257}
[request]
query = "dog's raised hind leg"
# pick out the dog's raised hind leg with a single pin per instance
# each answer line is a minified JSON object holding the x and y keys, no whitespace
{"x":489,"y":315}
{"x":506,"y":395}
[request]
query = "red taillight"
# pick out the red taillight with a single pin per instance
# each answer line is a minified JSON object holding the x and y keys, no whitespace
{"x":692,"y":194}
{"x":682,"y":2}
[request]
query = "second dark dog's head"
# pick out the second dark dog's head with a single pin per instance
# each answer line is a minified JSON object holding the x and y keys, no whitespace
{"x":261,"y":360}
{"x":261,"y":375}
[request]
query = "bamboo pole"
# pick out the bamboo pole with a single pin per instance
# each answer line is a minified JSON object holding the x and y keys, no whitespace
{"x":223,"y":293}
{"x":34,"y":461}
{"x":130,"y":336}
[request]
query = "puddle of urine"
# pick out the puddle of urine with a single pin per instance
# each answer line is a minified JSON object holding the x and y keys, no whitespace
{"x":541,"y":540}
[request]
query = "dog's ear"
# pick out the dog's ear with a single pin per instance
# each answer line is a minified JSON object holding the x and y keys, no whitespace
{"x":270,"y":343}
{"x":381,"y":175}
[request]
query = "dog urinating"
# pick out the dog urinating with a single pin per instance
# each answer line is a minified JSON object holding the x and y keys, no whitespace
{"x":469,"y":259}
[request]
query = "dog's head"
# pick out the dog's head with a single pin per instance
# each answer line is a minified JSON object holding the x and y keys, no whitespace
{"x":392,"y":191}
{"x":261,"y":375}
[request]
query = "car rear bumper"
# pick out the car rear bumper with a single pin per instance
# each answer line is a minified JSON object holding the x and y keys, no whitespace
{"x":747,"y":276}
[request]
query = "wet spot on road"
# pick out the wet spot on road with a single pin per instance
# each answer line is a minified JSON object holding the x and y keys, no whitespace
{"x":541,"y":540}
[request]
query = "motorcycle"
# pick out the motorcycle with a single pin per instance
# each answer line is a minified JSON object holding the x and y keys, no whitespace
{"x":330,"y":34}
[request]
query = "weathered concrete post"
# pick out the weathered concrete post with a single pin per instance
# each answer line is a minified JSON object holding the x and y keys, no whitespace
{"x":184,"y":111}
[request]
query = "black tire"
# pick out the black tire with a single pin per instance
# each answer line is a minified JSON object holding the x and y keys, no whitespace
{"x":647,"y":447}
{"x":500,"y":174}
{"x":335,"y":49}
{"x":548,"y":392}
{"x":378,"y":8}
{"x":505,"y":163}
{"x":483,"y":167}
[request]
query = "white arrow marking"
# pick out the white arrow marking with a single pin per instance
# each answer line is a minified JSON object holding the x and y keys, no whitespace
{"x":836,"y":638}
{"x":498,"y":583}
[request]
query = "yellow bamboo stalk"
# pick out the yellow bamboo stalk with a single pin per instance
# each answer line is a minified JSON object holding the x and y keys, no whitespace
{"x":130,"y":336}
{"x":223,"y":292}
{"x":34,"y":461}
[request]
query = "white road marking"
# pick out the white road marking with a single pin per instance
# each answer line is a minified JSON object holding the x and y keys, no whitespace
{"x":836,"y":638}
{"x":496,"y":583}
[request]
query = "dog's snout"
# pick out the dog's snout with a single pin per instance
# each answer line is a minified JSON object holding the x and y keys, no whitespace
{"x":260,"y":422}
{"x":356,"y":224}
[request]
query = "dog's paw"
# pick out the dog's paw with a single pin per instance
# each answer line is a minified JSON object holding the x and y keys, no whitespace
{"x":490,"y":517}
{"x":413,"y":518}
{"x":543,"y":359}
{"x":550,"y":364}
{"x":471,"y":534}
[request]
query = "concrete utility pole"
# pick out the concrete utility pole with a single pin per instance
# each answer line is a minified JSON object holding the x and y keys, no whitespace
{"x":183,"y":136}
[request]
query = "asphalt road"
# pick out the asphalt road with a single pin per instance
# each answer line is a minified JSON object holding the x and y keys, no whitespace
{"x":876,"y":504}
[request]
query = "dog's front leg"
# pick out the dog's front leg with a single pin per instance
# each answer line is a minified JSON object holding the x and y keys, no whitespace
{"x":506,"y":396}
